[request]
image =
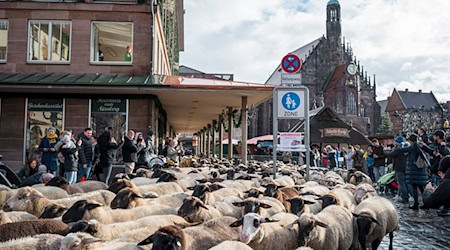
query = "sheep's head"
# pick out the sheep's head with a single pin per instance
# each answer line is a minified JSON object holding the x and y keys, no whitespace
{"x":190,"y":207}
{"x":90,"y":227}
{"x":77,"y":211}
{"x":230,"y":174}
{"x":364,"y":221}
{"x":167,"y":177}
{"x":215,"y":186}
{"x":23,"y":200}
{"x":53,"y":211}
{"x":254,"y":192}
{"x":126,"y":198}
{"x":142,"y":172}
{"x":58,"y":181}
{"x":251,"y":226}
{"x":120,"y":184}
{"x":251,"y":205}
{"x":298,"y":204}
{"x":200,"y":191}
{"x":271,"y":190}
{"x":307,"y":222}
{"x":166,"y":238}
{"x":77,"y":241}
{"x":215,"y":174}
{"x":251,"y":169}
{"x":327,"y":200}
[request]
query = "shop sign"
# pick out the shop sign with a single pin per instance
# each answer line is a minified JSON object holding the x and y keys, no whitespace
{"x":291,"y":142}
{"x":45,"y":105}
{"x":335,"y":132}
{"x":109,"y":105}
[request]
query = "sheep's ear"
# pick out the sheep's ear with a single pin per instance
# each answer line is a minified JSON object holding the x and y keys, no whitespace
{"x":238,"y":204}
{"x":135,"y":195}
{"x":200,"y":181}
{"x":278,"y":187}
{"x":264,"y":205}
{"x":237,"y":223}
{"x":264,"y":220}
{"x":36,"y":196}
{"x":86,"y":241}
{"x":321,"y":224}
{"x":374,"y":220}
{"x":91,"y":206}
{"x":355,"y":215}
{"x":201,"y":204}
{"x":192,"y":188}
{"x":308,"y":202}
{"x":147,"y":241}
{"x":320,"y":198}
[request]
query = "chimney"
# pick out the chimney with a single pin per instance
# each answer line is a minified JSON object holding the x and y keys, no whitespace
{"x":406,"y":90}
{"x":420,"y":91}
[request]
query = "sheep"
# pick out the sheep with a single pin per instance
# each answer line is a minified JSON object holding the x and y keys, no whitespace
{"x":91,"y":185}
{"x":194,"y":210}
{"x":376,"y":217}
{"x":254,"y":192}
{"x":41,"y":241}
{"x":119,"y":184}
{"x":163,"y":188}
{"x":271,"y":206}
{"x":141,"y":181}
{"x":209,"y":197}
{"x":332,"y":228}
{"x":259,"y":234}
{"x":78,"y":241}
{"x":331,"y":179}
{"x":305,"y":204}
{"x":364,"y":191}
{"x":88,"y":210}
{"x":280,"y":193}
{"x":241,"y":185}
{"x":30,"y":200}
{"x":49,"y":192}
{"x":53,"y":211}
{"x":318,"y":190}
{"x":359,"y":177}
{"x":62,"y":183}
{"x":339,"y":196}
{"x":9,"y":217}
{"x":284,"y":181}
{"x":227,"y":245}
{"x":112,"y":231}
{"x":22,"y":229}
{"x":204,"y":236}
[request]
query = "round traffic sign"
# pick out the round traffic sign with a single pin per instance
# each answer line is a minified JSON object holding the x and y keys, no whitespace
{"x":291,"y":63}
{"x":290,"y":101}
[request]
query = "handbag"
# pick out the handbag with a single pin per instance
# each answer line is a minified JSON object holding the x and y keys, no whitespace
{"x":422,"y":161}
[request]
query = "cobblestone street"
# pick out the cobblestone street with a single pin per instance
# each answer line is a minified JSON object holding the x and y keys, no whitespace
{"x":420,"y":230}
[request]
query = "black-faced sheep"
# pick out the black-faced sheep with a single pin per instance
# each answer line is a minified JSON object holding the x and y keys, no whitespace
{"x":209,"y":197}
{"x":194,"y":210}
{"x":271,"y":206}
{"x":62,"y":183}
{"x":283,"y":194}
{"x":305,"y":204}
{"x":359,"y":177}
{"x":376,"y":217}
{"x":364,"y":191}
{"x":339,"y":196}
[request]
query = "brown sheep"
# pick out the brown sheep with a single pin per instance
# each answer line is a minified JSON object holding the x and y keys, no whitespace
{"x":281,"y":193}
{"x":23,"y":229}
{"x":61,"y":182}
{"x":120,"y":184}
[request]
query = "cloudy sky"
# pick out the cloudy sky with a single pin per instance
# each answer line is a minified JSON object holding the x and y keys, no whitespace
{"x":406,"y":43}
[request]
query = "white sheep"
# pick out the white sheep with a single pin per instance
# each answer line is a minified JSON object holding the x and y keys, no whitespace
{"x":8,"y":217}
{"x":339,"y":196}
{"x":332,"y":228}
{"x":376,"y":217}
{"x":270,"y":205}
{"x":40,"y":241}
{"x":364,"y":191}
{"x":194,"y":210}
{"x":234,"y":245}
{"x":241,"y":185}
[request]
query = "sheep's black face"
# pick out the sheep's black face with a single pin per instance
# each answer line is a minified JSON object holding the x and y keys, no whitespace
{"x":125,"y":199}
{"x":52,"y":211}
{"x":304,"y":232}
{"x":157,"y":173}
{"x":271,"y":190}
{"x":57,"y":181}
{"x":77,"y":211}
{"x":364,"y":223}
{"x":214,"y":174}
{"x":83,"y":226}
{"x":115,"y":187}
{"x":254,"y":193}
{"x":251,"y":170}
{"x":297,"y":205}
{"x":328,"y":200}
{"x":188,"y":208}
{"x":167,"y":177}
{"x":230,"y":174}
{"x":265,"y":174}
{"x":200,"y":192}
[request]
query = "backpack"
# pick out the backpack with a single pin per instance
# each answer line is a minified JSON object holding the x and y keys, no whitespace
{"x":422,"y":161}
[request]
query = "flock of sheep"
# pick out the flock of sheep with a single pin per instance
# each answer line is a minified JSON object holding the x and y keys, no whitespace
{"x":209,"y":204}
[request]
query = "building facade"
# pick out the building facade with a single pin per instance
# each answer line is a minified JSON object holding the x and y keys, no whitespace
{"x":77,"y":64}
{"x":335,"y":79}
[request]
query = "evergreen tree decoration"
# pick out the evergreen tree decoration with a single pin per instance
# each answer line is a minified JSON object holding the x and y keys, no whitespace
{"x":386,"y":126}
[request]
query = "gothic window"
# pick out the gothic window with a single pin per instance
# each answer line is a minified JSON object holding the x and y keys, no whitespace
{"x":339,"y":104}
{"x":333,"y":15}
{"x":362,"y":110}
{"x":351,"y":104}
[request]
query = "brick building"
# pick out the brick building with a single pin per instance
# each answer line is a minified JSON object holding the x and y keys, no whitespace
{"x":334,"y":78}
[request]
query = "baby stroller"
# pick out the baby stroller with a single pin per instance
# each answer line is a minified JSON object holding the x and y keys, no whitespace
{"x":387,"y":183}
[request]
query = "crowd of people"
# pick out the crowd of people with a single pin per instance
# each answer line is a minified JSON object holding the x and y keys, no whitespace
{"x":83,"y":157}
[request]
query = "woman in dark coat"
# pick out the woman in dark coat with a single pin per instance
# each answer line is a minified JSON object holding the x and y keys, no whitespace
{"x":107,"y":146}
{"x":415,"y":176}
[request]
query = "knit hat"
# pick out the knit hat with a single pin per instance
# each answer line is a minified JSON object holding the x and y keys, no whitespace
{"x":413,"y":137}
{"x":42,"y":168}
{"x":46,"y":177}
{"x":399,"y":139}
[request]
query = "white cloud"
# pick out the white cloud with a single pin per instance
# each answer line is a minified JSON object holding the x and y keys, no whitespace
{"x":405,"y":42}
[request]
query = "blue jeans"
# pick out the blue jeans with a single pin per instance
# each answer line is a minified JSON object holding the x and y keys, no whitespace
{"x":378,"y":171}
{"x":107,"y":174}
{"x":71,"y":176}
{"x":402,"y":188}
{"x":84,"y":171}
{"x":435,"y":179}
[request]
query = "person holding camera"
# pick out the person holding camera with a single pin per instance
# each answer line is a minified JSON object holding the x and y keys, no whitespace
{"x":130,"y":150}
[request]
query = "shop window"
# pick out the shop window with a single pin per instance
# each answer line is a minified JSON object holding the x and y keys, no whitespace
{"x":49,"y":41}
{"x":112,"y":42}
{"x":109,"y":113}
{"x":3,"y":39}
{"x":41,"y":115}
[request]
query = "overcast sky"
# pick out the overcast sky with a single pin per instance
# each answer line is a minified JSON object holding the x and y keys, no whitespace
{"x":406,"y":43}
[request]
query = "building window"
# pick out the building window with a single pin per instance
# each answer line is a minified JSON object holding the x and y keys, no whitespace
{"x":3,"y":39}
{"x":49,"y":41}
{"x":112,"y":42}
{"x":351,"y":104}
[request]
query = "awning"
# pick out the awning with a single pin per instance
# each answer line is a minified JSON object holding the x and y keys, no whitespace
{"x":260,"y":138}
{"x":235,"y":142}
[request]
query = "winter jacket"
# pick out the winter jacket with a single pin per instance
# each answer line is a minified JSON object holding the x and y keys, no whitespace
{"x":443,"y":151}
{"x":440,"y":196}
{"x":32,"y":180}
{"x":414,"y":175}
{"x":143,"y":156}
{"x":331,"y":156}
{"x":380,"y":161}
{"x":85,"y":154}
{"x":172,"y":154}
{"x":26,"y":172}
{"x":108,"y":153}
{"x":399,"y":159}
{"x":70,"y":158}
{"x":348,"y":156}
{"x":49,"y":158}
{"x":130,"y":150}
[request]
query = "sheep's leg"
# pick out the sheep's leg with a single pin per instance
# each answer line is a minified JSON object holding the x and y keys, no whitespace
{"x":375,"y":244}
{"x":391,"y":239}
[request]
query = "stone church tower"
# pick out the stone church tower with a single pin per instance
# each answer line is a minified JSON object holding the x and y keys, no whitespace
{"x":325,"y":72}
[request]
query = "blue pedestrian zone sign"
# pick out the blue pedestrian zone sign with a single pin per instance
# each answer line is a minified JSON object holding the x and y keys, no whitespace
{"x":290,"y":101}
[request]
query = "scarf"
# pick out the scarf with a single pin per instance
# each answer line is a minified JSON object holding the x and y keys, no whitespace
{"x":52,"y":139}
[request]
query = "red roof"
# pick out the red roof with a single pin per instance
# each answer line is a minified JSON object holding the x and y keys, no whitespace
{"x":339,"y":72}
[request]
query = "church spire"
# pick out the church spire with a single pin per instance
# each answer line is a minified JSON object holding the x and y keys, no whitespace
{"x":334,"y":22}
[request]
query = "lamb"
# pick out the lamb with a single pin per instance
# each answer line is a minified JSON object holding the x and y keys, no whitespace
{"x":89,"y":210}
{"x":41,"y":241}
{"x":204,"y":236}
{"x":259,"y":234}
{"x":22,"y":229}
{"x":359,"y":177}
{"x":227,"y":245}
{"x":332,"y":228}
{"x":339,"y":196}
{"x":194,"y":210}
{"x":271,"y":206}
{"x":305,"y":204}
{"x":10,"y":217}
{"x":376,"y":217}
{"x":280,"y":193}
{"x":364,"y":191}
{"x":209,"y":197}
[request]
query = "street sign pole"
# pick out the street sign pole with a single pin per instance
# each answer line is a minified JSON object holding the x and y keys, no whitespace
{"x":275,"y":132}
